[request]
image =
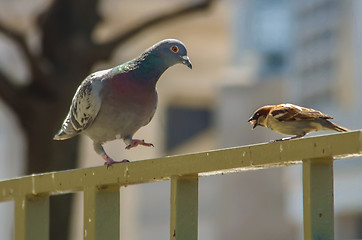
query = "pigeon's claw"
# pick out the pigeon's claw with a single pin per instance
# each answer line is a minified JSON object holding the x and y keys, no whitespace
{"x":136,"y":142}
{"x":110,"y":161}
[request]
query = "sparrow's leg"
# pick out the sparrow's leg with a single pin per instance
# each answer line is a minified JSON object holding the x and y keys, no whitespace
{"x":109,"y":161}
{"x":288,"y":138}
{"x":135,"y":142}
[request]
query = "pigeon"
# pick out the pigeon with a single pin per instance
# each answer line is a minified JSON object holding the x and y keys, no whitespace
{"x":291,"y":119}
{"x":114,"y":103}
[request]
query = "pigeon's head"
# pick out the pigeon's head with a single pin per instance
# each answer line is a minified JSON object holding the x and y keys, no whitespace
{"x":259,"y":117}
{"x":172,"y":51}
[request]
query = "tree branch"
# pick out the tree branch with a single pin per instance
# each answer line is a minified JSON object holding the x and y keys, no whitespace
{"x":33,"y":62}
{"x":10,"y":94}
{"x":103,"y":51}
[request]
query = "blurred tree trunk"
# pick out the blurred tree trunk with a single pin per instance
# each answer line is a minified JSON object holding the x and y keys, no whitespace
{"x":67,"y":56}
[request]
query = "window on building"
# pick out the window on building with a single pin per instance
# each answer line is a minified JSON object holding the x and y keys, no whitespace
{"x":183,"y":123}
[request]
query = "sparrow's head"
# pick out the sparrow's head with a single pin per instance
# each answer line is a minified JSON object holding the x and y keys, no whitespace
{"x":259,"y":117}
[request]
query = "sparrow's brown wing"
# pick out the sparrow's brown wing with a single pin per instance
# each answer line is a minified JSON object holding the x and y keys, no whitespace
{"x":308,"y":113}
{"x":291,"y":112}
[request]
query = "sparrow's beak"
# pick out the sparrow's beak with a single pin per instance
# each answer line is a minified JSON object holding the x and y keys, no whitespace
{"x":186,"y":61}
{"x":253,"y":122}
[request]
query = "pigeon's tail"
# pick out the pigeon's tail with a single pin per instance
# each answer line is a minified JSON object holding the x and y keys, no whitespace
{"x":332,"y":126}
{"x":67,"y":131}
{"x":62,"y":135}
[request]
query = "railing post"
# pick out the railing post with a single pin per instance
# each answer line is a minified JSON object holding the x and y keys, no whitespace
{"x":318,"y":199}
{"x":184,"y":208}
{"x":31,"y":217}
{"x":101,"y":213}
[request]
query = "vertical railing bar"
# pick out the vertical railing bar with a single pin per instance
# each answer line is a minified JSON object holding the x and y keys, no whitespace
{"x":31,"y":217}
{"x":184,"y":208}
{"x":318,"y":201}
{"x":101,"y":213}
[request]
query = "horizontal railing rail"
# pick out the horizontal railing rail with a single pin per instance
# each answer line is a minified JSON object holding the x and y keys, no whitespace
{"x":101,"y":185}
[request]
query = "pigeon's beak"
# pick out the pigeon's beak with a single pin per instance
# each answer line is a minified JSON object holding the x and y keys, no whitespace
{"x":253,"y":122}
{"x":186,"y":61}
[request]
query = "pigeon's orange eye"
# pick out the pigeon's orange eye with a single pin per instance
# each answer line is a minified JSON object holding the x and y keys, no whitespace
{"x":174,"y":49}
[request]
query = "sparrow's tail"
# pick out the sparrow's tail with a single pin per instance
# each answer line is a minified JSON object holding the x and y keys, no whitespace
{"x":332,"y":126}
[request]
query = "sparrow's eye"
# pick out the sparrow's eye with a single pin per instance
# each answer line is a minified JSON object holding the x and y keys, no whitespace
{"x":174,"y":49}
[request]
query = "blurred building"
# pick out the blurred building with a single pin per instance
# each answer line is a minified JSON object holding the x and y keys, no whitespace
{"x":326,"y":75}
{"x":318,"y":49}
{"x":257,"y":75}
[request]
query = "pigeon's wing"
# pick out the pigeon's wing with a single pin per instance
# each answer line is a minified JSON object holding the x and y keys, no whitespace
{"x":291,"y":112}
{"x":85,"y":106}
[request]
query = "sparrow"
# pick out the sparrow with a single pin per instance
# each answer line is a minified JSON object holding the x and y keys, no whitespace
{"x":291,"y":119}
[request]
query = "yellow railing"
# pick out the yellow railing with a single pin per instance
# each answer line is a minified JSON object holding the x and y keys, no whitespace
{"x":101,"y":186}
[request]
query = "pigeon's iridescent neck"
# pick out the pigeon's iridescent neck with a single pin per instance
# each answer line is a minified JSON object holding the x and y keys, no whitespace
{"x":146,"y":69}
{"x":149,"y":67}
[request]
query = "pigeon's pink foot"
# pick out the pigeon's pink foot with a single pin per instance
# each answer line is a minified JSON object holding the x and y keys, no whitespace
{"x":110,"y":161}
{"x":136,"y":142}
